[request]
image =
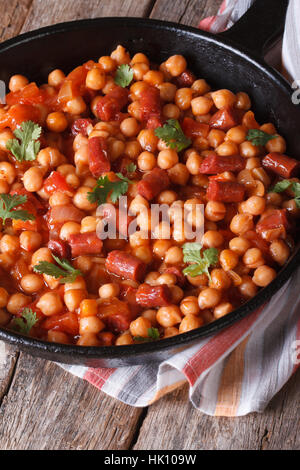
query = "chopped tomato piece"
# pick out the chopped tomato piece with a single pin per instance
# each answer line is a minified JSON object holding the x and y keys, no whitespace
{"x":194,"y":129}
{"x":67,"y":323}
{"x":224,"y":119}
{"x":56,"y":182}
{"x":98,"y":156}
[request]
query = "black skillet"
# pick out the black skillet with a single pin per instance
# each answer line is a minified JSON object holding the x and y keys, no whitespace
{"x":229,"y":60}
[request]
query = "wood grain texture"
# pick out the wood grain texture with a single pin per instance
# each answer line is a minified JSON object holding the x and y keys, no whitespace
{"x":47,"y":408}
{"x":8,"y":360}
{"x":13,"y":15}
{"x":47,"y":12}
{"x":173,"y":423}
{"x":188,"y":12}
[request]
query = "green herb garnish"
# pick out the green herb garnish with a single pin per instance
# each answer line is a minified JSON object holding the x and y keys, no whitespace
{"x":130,"y":168}
{"x":172,"y":134}
{"x":124,"y":75}
{"x":25,"y":322}
{"x":104,"y":187}
{"x":66,"y":272}
{"x":286,"y":184}
{"x":201,"y":262}
{"x":26,"y":145}
{"x":153,"y":335}
{"x":258,"y":137}
{"x":9,"y":202}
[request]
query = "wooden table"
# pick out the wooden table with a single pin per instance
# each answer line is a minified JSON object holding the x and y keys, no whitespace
{"x":43,"y":407}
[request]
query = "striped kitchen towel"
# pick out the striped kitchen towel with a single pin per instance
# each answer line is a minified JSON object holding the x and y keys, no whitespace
{"x":238,"y":370}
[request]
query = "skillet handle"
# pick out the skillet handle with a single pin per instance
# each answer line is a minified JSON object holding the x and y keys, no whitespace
{"x":259,"y":26}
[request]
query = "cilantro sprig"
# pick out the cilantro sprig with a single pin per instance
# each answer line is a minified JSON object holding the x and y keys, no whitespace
{"x":26,"y":145}
{"x":130,"y":168}
{"x":283,"y":185}
{"x":200,"y":262}
{"x":8,"y":202}
{"x":65,"y":272}
{"x":104,"y":187}
{"x":124,"y":75}
{"x":153,"y":335}
{"x":258,"y":137}
{"x":172,"y":134}
{"x":25,"y":322}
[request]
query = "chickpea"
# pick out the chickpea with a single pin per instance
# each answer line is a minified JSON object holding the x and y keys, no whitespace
{"x":241,"y":223}
{"x":201,"y":87}
{"x":239,"y":245}
{"x":162,"y":231}
{"x":255,"y":205}
{"x":253,"y":258}
{"x":55,"y":336}
{"x":76,"y":105}
{"x":189,"y":306}
{"x":139,"y":238}
{"x":32,"y":283}
{"x":69,"y":228}
{"x":139,"y":58}
{"x":247,"y":287}
{"x":150,"y":314}
{"x":50,"y":157}
{"x":220,"y":279}
{"x":260,"y":175}
{"x":227,"y":148}
{"x":148,"y":140}
{"x":144,"y":253}
{"x":50,"y":304}
{"x":193,"y":163}
{"x":81,"y":201}
{"x":183,"y":98}
{"x":222,"y":309}
{"x":190,"y":322}
{"x":167,"y":91}
{"x":176,"y":65}
{"x":130,"y":127}
{"x":7,"y":172}
{"x":108,"y":64}
{"x":243,"y":101}
{"x":9,"y":244}
{"x":17,"y":82}
{"x":16,"y":302}
{"x":274,"y":198}
{"x":42,"y":254}
{"x":276,"y":145}
{"x":107,"y":291}
{"x":174,"y":255}
{"x":4,"y":187}
{"x":279,"y":251}
{"x":95,"y":79}
{"x":88,"y":339}
{"x":215,"y":211}
{"x":146,"y":161}
{"x":152,"y":277}
{"x":5,"y":317}
{"x":248,"y":150}
{"x":125,"y":338}
{"x":263,"y":275}
{"x":167,"y":278}
{"x":171,"y":111}
{"x":212,"y":239}
{"x":167,"y":159}
{"x":120,"y":55}
{"x":168,"y":316}
{"x":73,"y":298}
{"x":30,"y":241}
{"x":57,"y":122}
{"x":56,"y":77}
{"x":140,"y":327}
{"x":252,"y":162}
{"x":222,"y":98}
{"x":78,"y":284}
{"x":228,"y":259}
{"x":236,"y":134}
{"x":91,"y":324}
{"x":209,"y":298}
{"x":179,"y":174}
{"x":33,"y":179}
{"x":167,"y":197}
{"x":154,"y":77}
{"x":201,"y":105}
{"x":216,"y":137}
{"x":3,"y":298}
{"x":139,"y":71}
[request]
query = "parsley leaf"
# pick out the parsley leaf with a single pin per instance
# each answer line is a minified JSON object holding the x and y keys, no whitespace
{"x":124,"y":75}
{"x":153,"y":335}
{"x":131,"y":168}
{"x":258,"y":137}
{"x":26,"y":145}
{"x":172,"y":134}
{"x":66,"y":272}
{"x":286,"y":184}
{"x":104,"y":187}
{"x":24,"y":323}
{"x":201,"y":262}
{"x":9,"y":202}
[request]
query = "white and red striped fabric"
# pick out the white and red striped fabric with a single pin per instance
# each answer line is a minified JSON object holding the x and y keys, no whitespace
{"x":238,"y":370}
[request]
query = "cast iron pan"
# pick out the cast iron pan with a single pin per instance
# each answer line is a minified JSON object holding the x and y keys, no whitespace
{"x":230,"y":60}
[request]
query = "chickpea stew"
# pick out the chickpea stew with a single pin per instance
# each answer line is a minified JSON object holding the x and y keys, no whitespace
{"x":124,"y":126}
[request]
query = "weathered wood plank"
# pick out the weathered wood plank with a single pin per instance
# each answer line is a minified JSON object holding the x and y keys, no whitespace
{"x":173,"y":423}
{"x":47,"y":408}
{"x":8,"y":359}
{"x":188,"y":12}
{"x":56,"y":11}
{"x":13,"y":15}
